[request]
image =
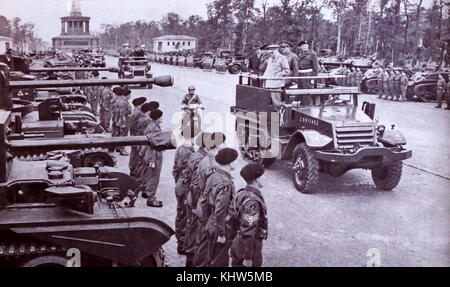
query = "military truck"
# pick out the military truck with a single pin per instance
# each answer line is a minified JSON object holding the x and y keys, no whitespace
{"x":135,"y":68}
{"x":316,"y":130}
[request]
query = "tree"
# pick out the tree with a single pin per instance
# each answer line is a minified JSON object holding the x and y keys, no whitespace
{"x":5,"y":27}
{"x":339,"y":8}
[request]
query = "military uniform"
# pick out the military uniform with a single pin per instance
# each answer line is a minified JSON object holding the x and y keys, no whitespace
{"x":390,"y":84}
{"x":135,"y":118}
{"x":308,"y":65}
{"x":189,"y":99}
{"x":141,"y":167}
{"x":106,"y":102}
{"x":219,"y":192}
{"x":380,"y":84}
{"x":359,"y":77}
{"x":250,"y":212}
{"x":152,"y":161}
{"x":397,"y":86}
{"x":121,"y":118}
{"x":385,"y":85}
{"x":95,"y":94}
{"x":181,"y":189}
{"x":253,"y":64}
{"x":293,"y":66}
{"x":194,"y":191}
{"x":205,"y":169}
{"x":440,"y":91}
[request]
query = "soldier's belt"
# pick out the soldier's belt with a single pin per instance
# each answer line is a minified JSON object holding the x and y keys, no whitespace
{"x":305,"y":71}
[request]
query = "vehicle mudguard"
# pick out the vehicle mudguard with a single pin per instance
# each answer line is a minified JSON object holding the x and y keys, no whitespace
{"x":312,"y":138}
{"x":392,"y":138}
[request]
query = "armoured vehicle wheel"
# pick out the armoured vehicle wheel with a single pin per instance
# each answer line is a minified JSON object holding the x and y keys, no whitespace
{"x":306,"y":169}
{"x":46,"y":261}
{"x":235,"y":69}
{"x":426,"y":97}
{"x":387,"y":177}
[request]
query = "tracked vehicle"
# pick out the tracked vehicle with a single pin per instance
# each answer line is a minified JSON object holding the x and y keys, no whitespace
{"x":316,"y":130}
{"x":53,"y":214}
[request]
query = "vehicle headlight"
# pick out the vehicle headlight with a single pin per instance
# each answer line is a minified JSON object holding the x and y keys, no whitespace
{"x":381,"y":129}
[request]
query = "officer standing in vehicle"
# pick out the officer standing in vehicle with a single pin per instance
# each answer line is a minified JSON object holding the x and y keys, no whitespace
{"x":249,"y":219}
{"x":218,"y":194}
{"x":308,"y":64}
{"x":121,"y":117}
{"x":440,"y":91}
{"x":286,"y":50}
{"x":106,"y":102}
{"x":136,"y":115}
{"x":255,"y":61}
{"x":153,"y":160}
{"x":179,"y":172}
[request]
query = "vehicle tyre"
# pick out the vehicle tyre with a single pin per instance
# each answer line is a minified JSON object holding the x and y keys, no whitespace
{"x":387,"y":177}
{"x":235,"y":69}
{"x":46,"y":261}
{"x":427,"y":97}
{"x":306,"y":169}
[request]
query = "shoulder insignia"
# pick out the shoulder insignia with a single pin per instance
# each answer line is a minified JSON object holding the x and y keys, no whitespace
{"x":251,"y":218}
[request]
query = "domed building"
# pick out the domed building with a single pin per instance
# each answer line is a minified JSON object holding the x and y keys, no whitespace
{"x":75,"y":32}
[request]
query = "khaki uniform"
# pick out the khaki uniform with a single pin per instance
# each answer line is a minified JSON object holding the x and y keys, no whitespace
{"x":250,"y":225}
{"x":121,"y":118}
{"x":152,"y":163}
{"x":181,"y":189}
{"x":135,"y":117}
{"x":215,"y":203}
{"x":106,"y":102}
{"x":193,"y":179}
{"x":140,"y":165}
{"x":440,"y":91}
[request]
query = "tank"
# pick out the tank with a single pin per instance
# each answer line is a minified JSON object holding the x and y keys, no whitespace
{"x":53,"y":214}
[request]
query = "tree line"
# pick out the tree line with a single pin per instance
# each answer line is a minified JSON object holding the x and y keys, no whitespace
{"x":22,"y":34}
{"x":395,"y":30}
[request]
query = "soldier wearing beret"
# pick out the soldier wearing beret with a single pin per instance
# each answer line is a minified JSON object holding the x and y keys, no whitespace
{"x":286,"y":50}
{"x":308,"y":64}
{"x":181,"y":187}
{"x":142,"y":125}
{"x":136,"y":115}
{"x":152,"y":161}
{"x":121,"y":117}
{"x":249,"y":217}
{"x":254,"y":60}
{"x":94,"y":94}
{"x":215,"y":203}
{"x":212,"y":143}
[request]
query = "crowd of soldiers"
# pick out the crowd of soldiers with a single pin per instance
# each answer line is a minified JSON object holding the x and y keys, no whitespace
{"x":392,"y":84}
{"x":216,"y":224}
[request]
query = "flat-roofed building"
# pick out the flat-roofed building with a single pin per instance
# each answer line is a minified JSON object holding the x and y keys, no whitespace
{"x":174,"y":43}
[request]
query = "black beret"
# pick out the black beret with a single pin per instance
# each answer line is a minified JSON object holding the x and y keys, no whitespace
{"x":226,"y":156}
{"x":302,"y":42}
{"x":156,"y":114}
{"x":149,"y":107}
{"x":118,"y":91}
{"x":126,"y":92}
{"x":139,"y":101}
{"x":252,"y":171}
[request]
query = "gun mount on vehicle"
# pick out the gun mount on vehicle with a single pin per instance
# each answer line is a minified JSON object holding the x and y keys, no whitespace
{"x":316,"y":130}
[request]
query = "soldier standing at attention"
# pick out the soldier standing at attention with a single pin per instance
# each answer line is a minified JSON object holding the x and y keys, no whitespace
{"x":143,"y":122}
{"x":106,"y":101}
{"x":205,"y":169}
{"x":121,"y":117}
{"x":219,"y":193}
{"x":193,"y":194}
{"x":359,"y":78}
{"x":152,"y":159}
{"x":136,"y":115}
{"x":249,"y":217}
{"x":380,"y":83}
{"x":92,"y":93}
{"x":385,"y":84}
{"x":391,"y":79}
{"x":286,"y":50}
{"x":403,"y":86}
{"x":397,"y":85}
{"x":308,"y":64}
{"x":179,"y":173}
{"x":440,"y":91}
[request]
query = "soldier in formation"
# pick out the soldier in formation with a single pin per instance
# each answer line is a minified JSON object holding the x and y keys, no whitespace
{"x":135,"y":117}
{"x":121,"y":113}
{"x":105,"y":102}
{"x":440,"y":92}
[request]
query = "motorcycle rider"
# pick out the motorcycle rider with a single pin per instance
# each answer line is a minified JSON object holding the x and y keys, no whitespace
{"x":191,"y":104}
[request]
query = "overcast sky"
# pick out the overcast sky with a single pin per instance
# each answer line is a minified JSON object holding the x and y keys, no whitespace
{"x":46,"y":13}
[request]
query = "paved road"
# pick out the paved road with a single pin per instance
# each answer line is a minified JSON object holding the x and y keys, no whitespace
{"x":347,"y":216}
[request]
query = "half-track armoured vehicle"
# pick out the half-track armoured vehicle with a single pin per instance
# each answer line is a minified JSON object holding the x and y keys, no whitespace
{"x":316,"y":130}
